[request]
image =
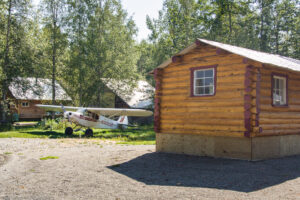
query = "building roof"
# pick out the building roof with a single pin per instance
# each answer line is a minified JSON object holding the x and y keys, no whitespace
{"x":138,"y":97}
{"x":36,"y":89}
{"x":265,"y":58}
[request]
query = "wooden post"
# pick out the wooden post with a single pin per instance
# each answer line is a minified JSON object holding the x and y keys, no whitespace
{"x":247,"y":101}
{"x":258,"y":80}
{"x":157,"y":77}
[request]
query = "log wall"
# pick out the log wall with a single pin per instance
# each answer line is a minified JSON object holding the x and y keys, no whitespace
{"x":31,"y":112}
{"x":219,"y":115}
{"x":279,"y":120}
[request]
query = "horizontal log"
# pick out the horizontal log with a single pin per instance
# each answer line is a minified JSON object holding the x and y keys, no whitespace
{"x":203,"y":127}
{"x":205,"y":121}
{"x":212,"y":115}
{"x":196,"y":109}
{"x":186,"y":75}
{"x":280,"y":126}
{"x":277,"y":132}
{"x":202,"y":104}
{"x":280,"y":115}
{"x":279,"y":121}
{"x":223,"y":70}
{"x":222,"y":96}
{"x":200,"y":132}
{"x":229,"y":79}
{"x":195,"y":63}
{"x":187,"y":90}
{"x":200,"y":54}
{"x":290,"y":108}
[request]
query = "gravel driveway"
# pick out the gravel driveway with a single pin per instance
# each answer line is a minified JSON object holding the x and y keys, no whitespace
{"x":95,"y":169}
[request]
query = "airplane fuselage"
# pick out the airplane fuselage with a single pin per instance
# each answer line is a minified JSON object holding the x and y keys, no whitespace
{"x":87,"y":121}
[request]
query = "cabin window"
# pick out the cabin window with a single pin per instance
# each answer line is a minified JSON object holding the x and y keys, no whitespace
{"x":25,"y":104}
{"x":203,"y":81}
{"x":279,"y":90}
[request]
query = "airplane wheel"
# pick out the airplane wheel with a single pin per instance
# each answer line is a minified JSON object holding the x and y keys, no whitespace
{"x":89,"y":132}
{"x":69,"y":131}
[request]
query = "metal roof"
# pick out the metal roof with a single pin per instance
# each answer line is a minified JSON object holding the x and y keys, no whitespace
{"x":265,"y":58}
{"x":137,"y":97}
{"x":36,"y":89}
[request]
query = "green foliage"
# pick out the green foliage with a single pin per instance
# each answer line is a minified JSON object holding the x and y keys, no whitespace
{"x":265,"y":25}
{"x":102,"y":48}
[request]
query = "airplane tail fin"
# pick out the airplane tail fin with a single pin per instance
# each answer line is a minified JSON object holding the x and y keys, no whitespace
{"x":123,"y":120}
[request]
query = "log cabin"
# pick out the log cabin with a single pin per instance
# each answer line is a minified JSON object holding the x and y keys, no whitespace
{"x":24,"y":93}
{"x":219,"y":100}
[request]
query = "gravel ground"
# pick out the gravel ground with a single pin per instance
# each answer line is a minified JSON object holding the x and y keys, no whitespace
{"x":95,"y":169}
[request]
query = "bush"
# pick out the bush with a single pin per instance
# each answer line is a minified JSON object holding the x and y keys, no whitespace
{"x":6,"y":126}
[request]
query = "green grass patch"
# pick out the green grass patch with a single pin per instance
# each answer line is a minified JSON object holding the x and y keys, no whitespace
{"x":7,"y":153}
{"x":49,"y":157}
{"x":133,"y":135}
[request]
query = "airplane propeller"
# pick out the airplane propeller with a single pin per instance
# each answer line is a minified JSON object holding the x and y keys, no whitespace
{"x":64,"y":111}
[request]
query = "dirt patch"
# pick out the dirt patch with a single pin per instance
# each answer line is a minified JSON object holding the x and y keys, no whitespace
{"x":3,"y":159}
{"x":96,"y":169}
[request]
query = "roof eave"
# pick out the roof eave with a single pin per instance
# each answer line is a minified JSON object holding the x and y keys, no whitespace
{"x":199,"y":41}
{"x":182,"y":52}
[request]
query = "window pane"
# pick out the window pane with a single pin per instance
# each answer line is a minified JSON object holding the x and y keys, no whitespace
{"x":209,"y":81}
{"x":199,"y":82}
{"x":200,"y":74}
{"x":199,"y":90}
{"x":280,"y":84}
{"x":276,"y":85}
{"x":282,"y":96}
{"x":209,"y":90}
{"x":209,"y":73}
{"x":279,"y":90}
{"x":204,"y":82}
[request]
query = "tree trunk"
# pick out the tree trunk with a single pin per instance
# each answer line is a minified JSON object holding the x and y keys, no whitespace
{"x":6,"y":63}
{"x":54,"y":19}
{"x":277,"y":38}
{"x":53,"y":62}
{"x":263,"y":36}
{"x":230,"y":21}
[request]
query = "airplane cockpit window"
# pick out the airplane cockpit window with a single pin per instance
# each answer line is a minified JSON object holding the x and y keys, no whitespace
{"x":91,"y":114}
{"x":85,"y":113}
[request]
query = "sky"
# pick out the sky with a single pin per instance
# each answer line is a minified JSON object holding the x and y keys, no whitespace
{"x":139,"y":9}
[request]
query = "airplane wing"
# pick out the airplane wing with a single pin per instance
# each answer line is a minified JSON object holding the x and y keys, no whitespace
{"x":121,"y":112}
{"x":57,"y":108}
{"x":101,"y":111}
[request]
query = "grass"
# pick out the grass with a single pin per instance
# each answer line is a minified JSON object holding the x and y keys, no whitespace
{"x":142,"y":135}
{"x":49,"y":157}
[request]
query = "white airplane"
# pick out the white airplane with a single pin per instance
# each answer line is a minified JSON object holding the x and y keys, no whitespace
{"x":93,"y":117}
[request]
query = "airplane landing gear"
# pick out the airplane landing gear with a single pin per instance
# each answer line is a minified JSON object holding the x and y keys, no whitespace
{"x":88,"y":132}
{"x":68,"y":131}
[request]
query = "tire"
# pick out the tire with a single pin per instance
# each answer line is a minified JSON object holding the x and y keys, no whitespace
{"x":68,"y":131}
{"x":88,"y":133}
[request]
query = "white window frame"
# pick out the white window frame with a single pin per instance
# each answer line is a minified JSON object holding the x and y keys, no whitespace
{"x":24,"y":104}
{"x":195,"y":78}
{"x":282,"y":99}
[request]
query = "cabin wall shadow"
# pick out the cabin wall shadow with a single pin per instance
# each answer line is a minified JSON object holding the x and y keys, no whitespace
{"x":191,"y":171}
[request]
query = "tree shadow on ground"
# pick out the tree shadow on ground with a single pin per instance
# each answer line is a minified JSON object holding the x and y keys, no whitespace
{"x":129,"y":134}
{"x":192,"y":171}
{"x":49,"y":134}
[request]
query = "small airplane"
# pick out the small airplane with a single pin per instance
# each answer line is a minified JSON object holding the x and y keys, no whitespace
{"x":94,"y":117}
